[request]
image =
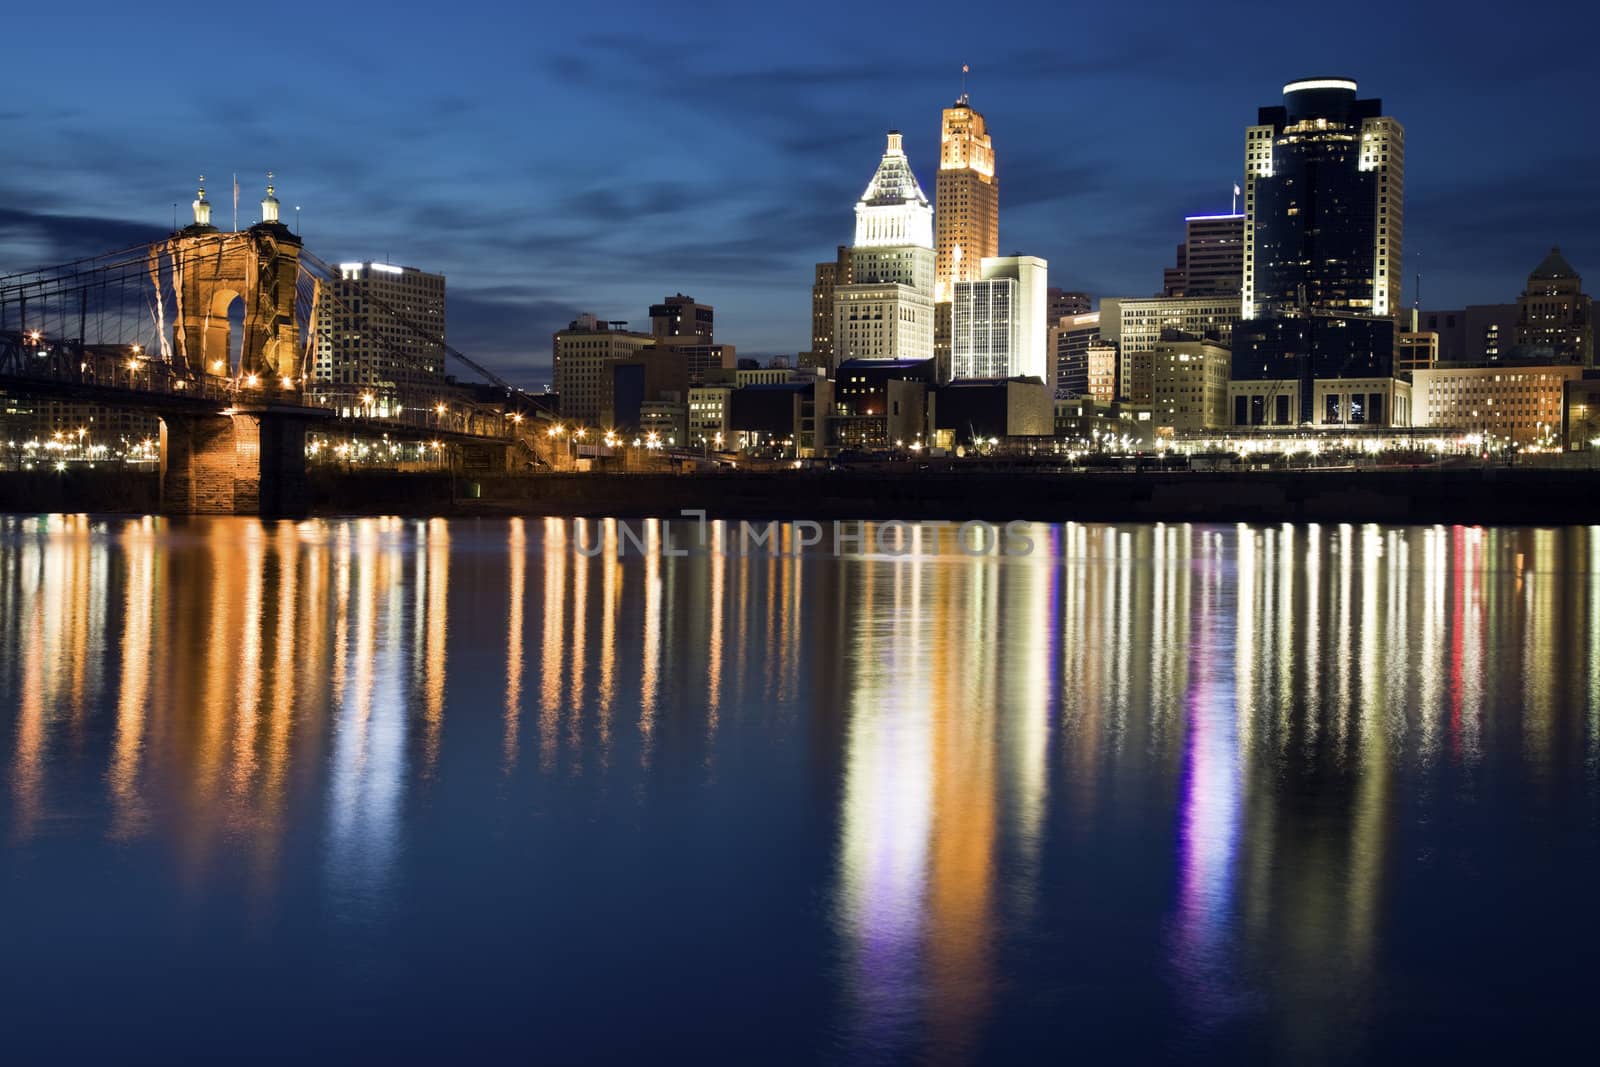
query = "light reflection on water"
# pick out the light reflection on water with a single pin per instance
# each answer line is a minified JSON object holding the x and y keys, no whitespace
{"x":1147,"y":789}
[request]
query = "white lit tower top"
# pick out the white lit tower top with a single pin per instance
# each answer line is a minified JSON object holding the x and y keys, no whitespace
{"x":894,"y":211}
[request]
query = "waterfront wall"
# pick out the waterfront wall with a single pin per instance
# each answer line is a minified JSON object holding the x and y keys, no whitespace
{"x":1494,"y":495}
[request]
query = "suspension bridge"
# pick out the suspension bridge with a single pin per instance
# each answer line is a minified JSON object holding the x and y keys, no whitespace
{"x":151,"y":329}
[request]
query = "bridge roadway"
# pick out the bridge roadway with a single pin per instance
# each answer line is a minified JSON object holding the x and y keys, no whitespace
{"x":229,"y":445}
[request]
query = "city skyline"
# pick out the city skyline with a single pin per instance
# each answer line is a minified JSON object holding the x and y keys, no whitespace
{"x":1104,"y":154}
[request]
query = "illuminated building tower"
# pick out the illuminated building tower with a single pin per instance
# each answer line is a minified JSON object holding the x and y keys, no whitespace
{"x":379,"y":329}
{"x":998,"y":331}
{"x":966,"y":200}
{"x":1553,"y":313}
{"x":1324,"y":193}
{"x":1323,"y":199}
{"x":886,"y":312}
{"x":967,"y":209}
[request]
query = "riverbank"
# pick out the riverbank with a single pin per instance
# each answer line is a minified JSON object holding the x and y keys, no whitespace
{"x":1488,"y":496}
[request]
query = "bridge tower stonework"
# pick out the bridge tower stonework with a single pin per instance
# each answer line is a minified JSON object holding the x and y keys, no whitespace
{"x":250,"y":459}
{"x":212,"y":269}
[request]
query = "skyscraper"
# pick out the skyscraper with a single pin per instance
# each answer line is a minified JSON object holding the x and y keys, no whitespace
{"x":966,"y":200}
{"x":997,"y":328}
{"x":886,"y":312}
{"x":967,"y":212}
{"x":1324,"y":196}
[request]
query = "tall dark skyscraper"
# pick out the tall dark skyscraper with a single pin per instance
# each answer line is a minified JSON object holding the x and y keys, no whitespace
{"x":1324,"y":198}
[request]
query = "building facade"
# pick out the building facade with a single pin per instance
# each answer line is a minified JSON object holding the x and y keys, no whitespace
{"x":1068,"y":344}
{"x":1554,"y":313}
{"x":829,"y":276}
{"x":1211,"y":258}
{"x":380,"y":331}
{"x":997,"y":330}
{"x":886,"y":312}
{"x":1324,"y":200}
{"x":583,"y":354}
{"x":1189,"y":385}
{"x":966,"y":200}
{"x":1285,"y":369}
{"x":1063,"y":302}
{"x":1136,"y":326}
{"x":1521,"y":404}
{"x":1479,"y":333}
{"x":680,"y":319}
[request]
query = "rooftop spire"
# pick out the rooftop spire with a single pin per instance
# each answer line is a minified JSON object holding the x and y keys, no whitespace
{"x":269,"y":204}
{"x":964,"y":99}
{"x":202,"y":206}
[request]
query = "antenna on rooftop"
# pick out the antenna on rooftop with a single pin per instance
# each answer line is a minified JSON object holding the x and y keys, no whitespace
{"x":964,"y":70}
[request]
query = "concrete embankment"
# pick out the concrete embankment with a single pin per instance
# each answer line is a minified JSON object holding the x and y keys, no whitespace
{"x":1492,"y":495}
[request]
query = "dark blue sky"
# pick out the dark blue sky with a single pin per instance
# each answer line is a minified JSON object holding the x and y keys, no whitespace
{"x":597,"y":157}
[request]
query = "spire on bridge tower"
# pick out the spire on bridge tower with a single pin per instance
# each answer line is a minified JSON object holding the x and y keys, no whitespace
{"x":269,"y":204}
{"x":202,"y":206}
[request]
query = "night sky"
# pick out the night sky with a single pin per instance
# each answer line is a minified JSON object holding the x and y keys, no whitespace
{"x":570,"y":158}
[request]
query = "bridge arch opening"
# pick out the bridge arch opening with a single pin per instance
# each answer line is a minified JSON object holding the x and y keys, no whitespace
{"x":224,"y":332}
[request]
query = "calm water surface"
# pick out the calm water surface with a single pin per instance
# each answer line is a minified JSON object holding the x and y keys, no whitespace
{"x":386,"y":790}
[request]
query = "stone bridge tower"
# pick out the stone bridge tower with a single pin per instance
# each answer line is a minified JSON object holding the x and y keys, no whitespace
{"x":211,"y":269}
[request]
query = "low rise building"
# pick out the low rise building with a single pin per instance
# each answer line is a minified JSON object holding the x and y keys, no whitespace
{"x":1524,"y":404}
{"x":977,"y":410}
{"x":1580,"y":413}
{"x":708,"y":415}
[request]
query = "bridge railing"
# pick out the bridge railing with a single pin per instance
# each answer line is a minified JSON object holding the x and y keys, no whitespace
{"x":126,"y":369}
{"x":123,"y":368}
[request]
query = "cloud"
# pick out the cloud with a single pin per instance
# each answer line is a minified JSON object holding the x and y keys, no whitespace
{"x":62,"y":238}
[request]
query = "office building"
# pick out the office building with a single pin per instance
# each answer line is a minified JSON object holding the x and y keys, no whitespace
{"x":1135,"y":326}
{"x":1555,"y":319}
{"x":680,"y":320}
{"x":1067,"y":344}
{"x":1415,"y":350}
{"x":1101,"y":361}
{"x":1479,"y":333}
{"x":997,"y":328}
{"x":1316,"y":370}
{"x":967,"y":213}
{"x":1059,"y":303}
{"x":966,"y":200}
{"x":1211,"y":258}
{"x":886,"y":312}
{"x":708,"y":415}
{"x":583,"y":355}
{"x":1189,"y":384}
{"x":1324,"y":195}
{"x":1580,"y":413}
{"x":380,"y":331}
{"x":829,"y":276}
{"x":1516,"y":404}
